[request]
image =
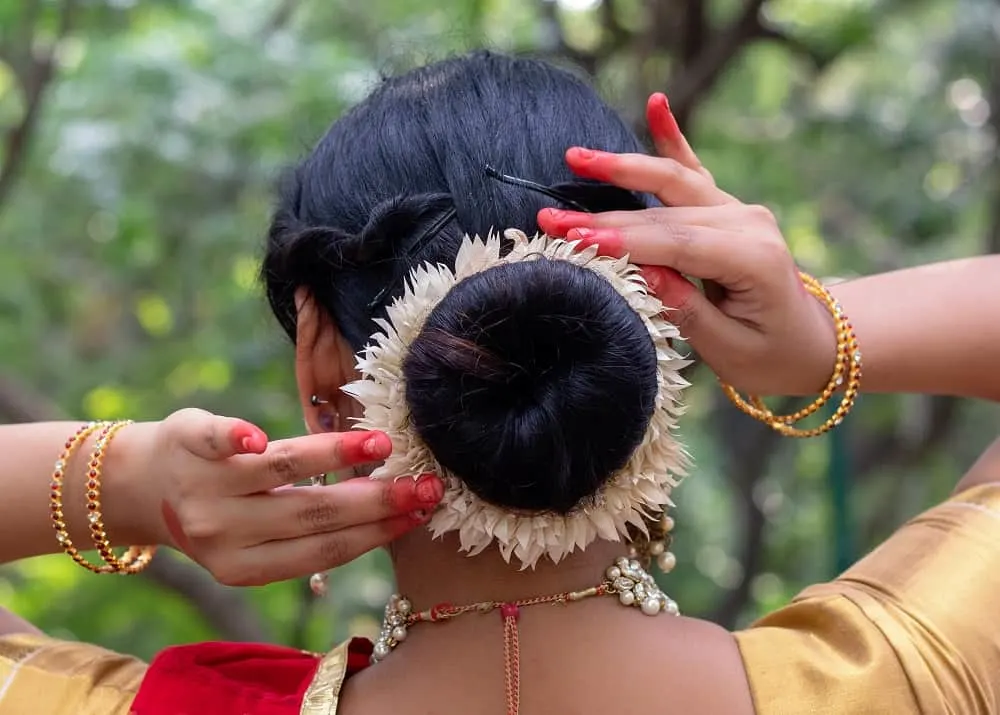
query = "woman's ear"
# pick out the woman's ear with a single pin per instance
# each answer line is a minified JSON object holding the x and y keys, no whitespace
{"x":324,"y":363}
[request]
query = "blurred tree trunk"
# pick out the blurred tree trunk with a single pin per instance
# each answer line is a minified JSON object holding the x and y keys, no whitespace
{"x":33,"y":64}
{"x":993,"y":240}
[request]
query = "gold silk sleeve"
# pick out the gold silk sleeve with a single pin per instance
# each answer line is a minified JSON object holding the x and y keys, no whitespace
{"x":908,"y":629}
{"x":44,"y":676}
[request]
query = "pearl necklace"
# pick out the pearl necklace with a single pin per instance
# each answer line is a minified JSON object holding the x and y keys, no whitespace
{"x":626,"y":578}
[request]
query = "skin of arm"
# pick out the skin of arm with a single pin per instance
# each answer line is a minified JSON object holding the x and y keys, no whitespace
{"x":127,"y":497}
{"x":933,"y":329}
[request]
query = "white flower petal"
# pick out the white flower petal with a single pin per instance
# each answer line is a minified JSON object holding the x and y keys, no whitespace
{"x":643,"y":486}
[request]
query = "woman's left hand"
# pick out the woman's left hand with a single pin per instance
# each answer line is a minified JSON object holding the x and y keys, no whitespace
{"x":224,"y":496}
{"x":754,"y":324}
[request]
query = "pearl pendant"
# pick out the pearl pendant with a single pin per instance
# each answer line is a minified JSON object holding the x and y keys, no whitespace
{"x":666,"y":561}
{"x":318,"y":584}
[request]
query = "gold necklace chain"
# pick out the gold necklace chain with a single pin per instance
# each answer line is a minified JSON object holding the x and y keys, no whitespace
{"x":626,"y":578}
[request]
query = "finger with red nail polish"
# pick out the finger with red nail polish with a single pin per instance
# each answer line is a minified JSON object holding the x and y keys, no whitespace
{"x":668,"y":285}
{"x":556,"y":222}
{"x":590,"y":163}
{"x":608,"y":241}
{"x":407,"y":494}
{"x":248,"y":438}
{"x":670,"y":142}
{"x":662,"y":123}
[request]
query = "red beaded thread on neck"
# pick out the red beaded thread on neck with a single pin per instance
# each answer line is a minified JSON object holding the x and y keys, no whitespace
{"x":510,"y":612}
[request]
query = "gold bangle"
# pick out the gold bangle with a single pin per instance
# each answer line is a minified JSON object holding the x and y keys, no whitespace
{"x":846,"y":373}
{"x":56,"y":494}
{"x":136,"y":558}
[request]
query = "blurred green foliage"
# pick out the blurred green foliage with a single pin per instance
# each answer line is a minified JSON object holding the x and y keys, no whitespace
{"x":134,"y":209}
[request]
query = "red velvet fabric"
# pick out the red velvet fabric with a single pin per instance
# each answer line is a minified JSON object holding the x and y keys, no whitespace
{"x":233,"y":679}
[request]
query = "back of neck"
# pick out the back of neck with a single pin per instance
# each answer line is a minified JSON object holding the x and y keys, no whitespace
{"x":429,"y":572}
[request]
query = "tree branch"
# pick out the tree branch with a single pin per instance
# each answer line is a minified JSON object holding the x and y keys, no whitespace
{"x":749,"y":447}
{"x":617,"y":35}
{"x":555,"y":39}
{"x":225,"y":609}
{"x":796,"y":46}
{"x":19,"y":403}
{"x":696,"y":78}
{"x":279,"y":19}
{"x":895,"y":447}
{"x":993,"y":238}
{"x":34,"y":78}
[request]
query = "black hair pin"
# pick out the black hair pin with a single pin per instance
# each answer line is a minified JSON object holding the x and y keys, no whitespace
{"x":549,"y":191}
{"x":619,"y":199}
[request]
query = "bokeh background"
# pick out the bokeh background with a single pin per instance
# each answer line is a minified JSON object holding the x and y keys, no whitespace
{"x":139,"y":142}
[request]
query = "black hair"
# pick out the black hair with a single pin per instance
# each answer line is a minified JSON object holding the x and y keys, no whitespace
{"x":532,"y":381}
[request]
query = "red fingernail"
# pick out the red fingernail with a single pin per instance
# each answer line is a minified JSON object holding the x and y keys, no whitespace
{"x":580,"y":153}
{"x":429,"y":489}
{"x":403,"y":495}
{"x":608,"y":241}
{"x":662,"y":123}
{"x":673,"y":289}
{"x":589,"y":163}
{"x":378,"y":446}
{"x":557,"y":222}
{"x":248,"y":438}
{"x":362,"y":447}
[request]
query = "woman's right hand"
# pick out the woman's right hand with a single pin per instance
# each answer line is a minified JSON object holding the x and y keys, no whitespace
{"x":753,"y":323}
{"x":222,"y":492}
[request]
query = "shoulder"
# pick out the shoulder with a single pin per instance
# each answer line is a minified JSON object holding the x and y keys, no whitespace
{"x":57,"y":677}
{"x":903,"y":630}
{"x":819,"y":655}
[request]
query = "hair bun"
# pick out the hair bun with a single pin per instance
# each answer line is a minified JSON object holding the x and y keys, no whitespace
{"x":534,"y":382}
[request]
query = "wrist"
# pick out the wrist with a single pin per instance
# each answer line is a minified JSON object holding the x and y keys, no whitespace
{"x":130,"y":493}
{"x":821,"y":361}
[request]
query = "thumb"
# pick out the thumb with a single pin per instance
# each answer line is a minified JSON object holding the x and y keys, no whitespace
{"x":213,"y":437}
{"x":709,"y":331}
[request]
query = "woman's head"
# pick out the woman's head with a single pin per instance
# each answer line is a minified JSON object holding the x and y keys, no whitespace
{"x":532,"y":381}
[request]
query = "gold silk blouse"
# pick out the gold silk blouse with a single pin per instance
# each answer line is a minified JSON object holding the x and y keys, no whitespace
{"x":908,"y":629}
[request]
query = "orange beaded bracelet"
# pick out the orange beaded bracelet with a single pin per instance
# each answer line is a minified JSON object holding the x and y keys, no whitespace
{"x":846,"y":373}
{"x":56,"y":494}
{"x":136,"y":558}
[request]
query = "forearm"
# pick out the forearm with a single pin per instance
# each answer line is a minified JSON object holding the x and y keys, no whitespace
{"x":30,"y":452}
{"x":10,"y":624}
{"x":933,"y":329}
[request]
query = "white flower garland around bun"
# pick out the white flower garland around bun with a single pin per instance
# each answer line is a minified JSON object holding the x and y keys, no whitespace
{"x":639,"y":489}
